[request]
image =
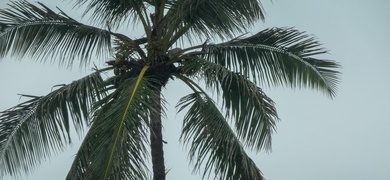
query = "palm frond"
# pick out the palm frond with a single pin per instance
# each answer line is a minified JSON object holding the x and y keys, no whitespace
{"x":42,"y":33}
{"x":253,"y":112}
{"x":114,"y":147}
{"x":213,"y":144}
{"x":278,"y":56}
{"x":33,"y":129}
{"x":115,"y":12}
{"x":213,"y":17}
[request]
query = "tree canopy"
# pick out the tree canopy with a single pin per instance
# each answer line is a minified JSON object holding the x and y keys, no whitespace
{"x":123,"y":113}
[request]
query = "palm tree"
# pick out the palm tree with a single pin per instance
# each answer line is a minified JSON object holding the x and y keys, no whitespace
{"x":123,"y":113}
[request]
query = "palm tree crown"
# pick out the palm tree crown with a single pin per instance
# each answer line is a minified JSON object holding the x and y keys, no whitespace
{"x":123,"y":112}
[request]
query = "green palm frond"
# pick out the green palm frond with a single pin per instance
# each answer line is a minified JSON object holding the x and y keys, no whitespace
{"x":42,"y":33}
{"x":253,"y":112}
{"x":32,"y":129}
{"x":115,"y":12}
{"x":278,"y":56}
{"x":213,"y":17}
{"x":213,"y":144}
{"x":114,"y":147}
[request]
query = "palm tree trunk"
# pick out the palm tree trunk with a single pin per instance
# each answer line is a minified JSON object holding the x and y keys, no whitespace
{"x":156,"y":142}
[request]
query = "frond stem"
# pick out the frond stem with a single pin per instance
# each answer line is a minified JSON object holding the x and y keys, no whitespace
{"x":177,"y":35}
{"x":190,"y":83}
{"x":145,"y":22}
{"x":271,"y":48}
{"x":141,"y":75}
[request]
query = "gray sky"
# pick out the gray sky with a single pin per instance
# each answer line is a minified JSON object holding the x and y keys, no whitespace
{"x":317,"y":138}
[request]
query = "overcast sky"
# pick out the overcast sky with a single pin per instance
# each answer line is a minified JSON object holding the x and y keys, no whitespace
{"x":347,"y":138}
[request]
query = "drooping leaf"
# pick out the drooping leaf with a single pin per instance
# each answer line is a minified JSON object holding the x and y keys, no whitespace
{"x":30,"y":131}
{"x":253,"y":113}
{"x":213,"y":144}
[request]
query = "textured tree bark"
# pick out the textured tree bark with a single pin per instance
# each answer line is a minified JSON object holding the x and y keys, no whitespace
{"x":156,"y":142}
